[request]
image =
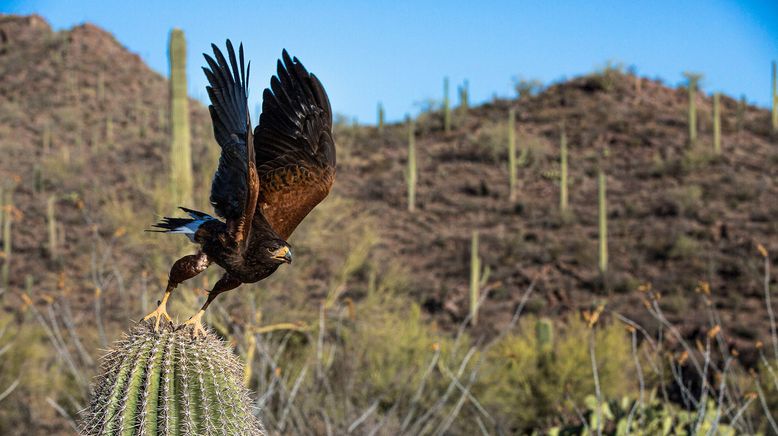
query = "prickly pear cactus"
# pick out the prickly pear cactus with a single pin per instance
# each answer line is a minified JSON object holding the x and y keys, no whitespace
{"x":166,"y":383}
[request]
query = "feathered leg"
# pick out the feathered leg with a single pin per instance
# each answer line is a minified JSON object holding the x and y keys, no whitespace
{"x":226,"y":283}
{"x":184,"y":269}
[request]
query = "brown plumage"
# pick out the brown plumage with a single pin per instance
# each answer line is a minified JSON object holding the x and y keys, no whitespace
{"x":267,"y":180}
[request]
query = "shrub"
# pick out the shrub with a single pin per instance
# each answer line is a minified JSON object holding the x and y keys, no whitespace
{"x":528,"y":387}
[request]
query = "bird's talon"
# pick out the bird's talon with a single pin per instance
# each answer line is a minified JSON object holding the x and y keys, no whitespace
{"x":197,"y":325}
{"x":158,"y":313}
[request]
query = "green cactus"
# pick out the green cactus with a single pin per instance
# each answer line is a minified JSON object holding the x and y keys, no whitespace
{"x":161,"y":118}
{"x":512,"y":153}
{"x":37,"y":179}
{"x":140,"y":116}
{"x":29,"y":281}
{"x":464,"y":98}
{"x":410,"y":175}
{"x":648,"y":416}
{"x":109,"y":130}
{"x":603,"y":215}
{"x":544,"y":335}
{"x":694,"y":80}
{"x":180,"y":135}
{"x":5,"y":272}
{"x":167,"y":383}
{"x":741,"y":113}
{"x":563,"y":171}
{"x":475,"y":281}
{"x":716,"y":123}
{"x":51,"y":221}
{"x":46,"y":137}
{"x":380,"y":118}
{"x":446,"y":107}
{"x":100,"y":87}
{"x":775,"y":98}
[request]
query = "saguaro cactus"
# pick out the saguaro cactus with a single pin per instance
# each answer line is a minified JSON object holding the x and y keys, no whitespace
{"x":563,"y":170}
{"x":694,"y":79}
{"x":46,"y":137}
{"x":740,"y":120}
{"x":544,"y":335}
{"x":166,"y":383}
{"x":51,"y":221}
{"x":109,"y":130}
{"x":475,"y":279}
{"x":464,"y":97}
{"x":380,"y":118}
{"x":446,"y":107}
{"x":512,"y":153}
{"x":180,"y":135}
{"x":775,"y":98}
{"x":5,"y":272}
{"x":603,"y":222}
{"x":411,"y":171}
{"x":100,"y":86}
{"x":716,"y":123}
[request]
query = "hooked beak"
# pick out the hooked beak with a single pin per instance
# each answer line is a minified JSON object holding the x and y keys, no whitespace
{"x":284,"y":254}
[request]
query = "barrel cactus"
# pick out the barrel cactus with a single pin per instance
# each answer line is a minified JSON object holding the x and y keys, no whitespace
{"x":166,"y":383}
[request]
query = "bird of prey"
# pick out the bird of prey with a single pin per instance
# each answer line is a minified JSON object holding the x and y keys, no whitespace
{"x":267,"y":180}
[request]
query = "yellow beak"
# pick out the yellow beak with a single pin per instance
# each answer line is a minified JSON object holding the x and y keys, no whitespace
{"x":283,"y":254}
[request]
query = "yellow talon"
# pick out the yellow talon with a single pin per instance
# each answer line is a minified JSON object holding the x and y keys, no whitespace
{"x":158,"y":313}
{"x":196,"y":321}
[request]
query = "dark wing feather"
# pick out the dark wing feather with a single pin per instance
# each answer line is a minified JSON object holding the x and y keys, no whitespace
{"x":294,"y":148}
{"x":234,"y":188}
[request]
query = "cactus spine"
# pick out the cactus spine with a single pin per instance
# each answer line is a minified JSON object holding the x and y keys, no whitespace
{"x":380,"y":118}
{"x":52,"y":226}
{"x":166,"y":384}
{"x":446,"y":107}
{"x":475,"y":280}
{"x":411,"y":172}
{"x":5,"y":272}
{"x":180,"y":135}
{"x":603,"y":215}
{"x":512,"y":153}
{"x":716,"y":123}
{"x":563,"y":171}
{"x":544,"y":335}
{"x":775,"y":98}
{"x":693,"y":83}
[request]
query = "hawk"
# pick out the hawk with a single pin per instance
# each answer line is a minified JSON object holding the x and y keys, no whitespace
{"x":267,"y":180}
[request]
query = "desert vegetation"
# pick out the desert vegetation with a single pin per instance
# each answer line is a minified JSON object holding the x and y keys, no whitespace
{"x":587,"y":257}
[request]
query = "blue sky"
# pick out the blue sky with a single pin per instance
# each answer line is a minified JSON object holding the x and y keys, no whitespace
{"x":399,"y":51}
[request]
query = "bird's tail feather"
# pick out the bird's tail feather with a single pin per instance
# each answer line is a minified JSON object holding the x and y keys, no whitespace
{"x":186,"y":226}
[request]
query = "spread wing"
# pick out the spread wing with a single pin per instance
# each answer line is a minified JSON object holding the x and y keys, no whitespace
{"x":235,"y":185}
{"x":294,"y":148}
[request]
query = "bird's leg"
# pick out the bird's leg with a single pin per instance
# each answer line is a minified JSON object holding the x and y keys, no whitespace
{"x":226,"y":283}
{"x":184,"y":269}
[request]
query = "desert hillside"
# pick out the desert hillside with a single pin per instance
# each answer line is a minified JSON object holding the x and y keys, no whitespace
{"x":84,"y":148}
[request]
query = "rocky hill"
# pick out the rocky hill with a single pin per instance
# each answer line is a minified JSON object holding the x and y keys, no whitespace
{"x":677,"y":214}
